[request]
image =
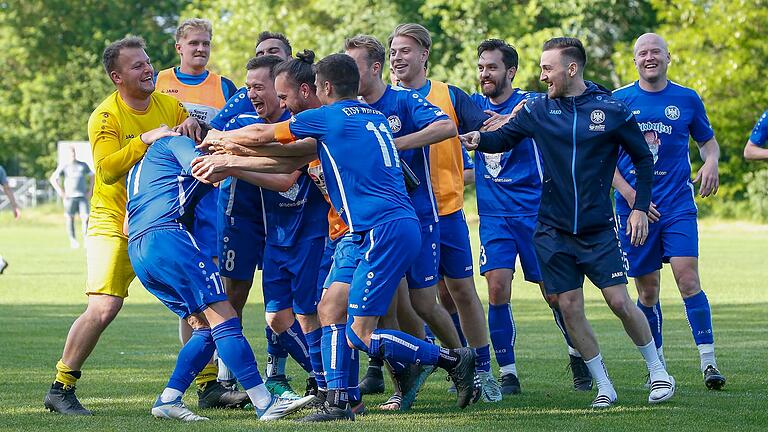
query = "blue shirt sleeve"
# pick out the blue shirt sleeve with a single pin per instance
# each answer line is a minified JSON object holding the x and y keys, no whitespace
{"x":3,"y":176}
{"x":309,"y":124}
{"x":512,"y":133}
{"x":468,"y":162}
{"x":470,"y":116}
{"x":235,"y":105}
{"x":424,"y":113}
{"x":228,"y":88}
{"x":184,"y":150}
{"x":700,"y":128}
{"x":759,"y":133}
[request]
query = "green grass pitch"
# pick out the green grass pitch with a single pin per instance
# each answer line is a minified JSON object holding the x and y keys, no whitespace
{"x":41,"y":293}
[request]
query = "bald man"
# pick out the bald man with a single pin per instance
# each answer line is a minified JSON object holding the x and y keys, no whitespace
{"x":668,"y":113}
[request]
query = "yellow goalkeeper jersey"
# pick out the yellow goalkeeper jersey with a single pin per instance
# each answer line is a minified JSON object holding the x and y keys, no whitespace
{"x":113,"y":130}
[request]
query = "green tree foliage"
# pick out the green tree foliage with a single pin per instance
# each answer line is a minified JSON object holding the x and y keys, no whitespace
{"x":527,"y":24}
{"x":52,"y":76}
{"x":51,"y":68}
{"x":319,"y":25}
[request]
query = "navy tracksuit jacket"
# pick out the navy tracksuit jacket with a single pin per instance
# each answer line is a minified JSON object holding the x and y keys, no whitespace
{"x":579,"y":139}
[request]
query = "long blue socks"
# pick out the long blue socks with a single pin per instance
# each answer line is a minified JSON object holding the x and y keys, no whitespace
{"x":236,"y":352}
{"x":503,"y":333}
{"x":314,"y":339}
{"x":655,"y":321}
{"x":295,"y":343}
{"x":336,"y":356}
{"x":401,"y":347}
{"x":192,"y":358}
{"x":699,"y":318}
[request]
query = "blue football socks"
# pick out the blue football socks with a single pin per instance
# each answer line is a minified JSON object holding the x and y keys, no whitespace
{"x":314,"y":339}
{"x":192,"y":358}
{"x":654,"y":317}
{"x":294,"y":342}
{"x":503,"y":333}
{"x":236,"y":352}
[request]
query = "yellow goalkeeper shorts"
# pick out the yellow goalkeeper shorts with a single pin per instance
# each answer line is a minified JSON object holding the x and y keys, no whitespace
{"x":109,"y":268}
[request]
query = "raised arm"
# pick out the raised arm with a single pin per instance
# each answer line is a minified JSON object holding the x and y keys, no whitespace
{"x":214,"y":168}
{"x":303,"y":147}
{"x":434,"y":133}
{"x":112,"y":161}
{"x":254,"y":135}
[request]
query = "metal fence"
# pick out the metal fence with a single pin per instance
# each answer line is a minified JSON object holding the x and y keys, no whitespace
{"x":29,"y":192}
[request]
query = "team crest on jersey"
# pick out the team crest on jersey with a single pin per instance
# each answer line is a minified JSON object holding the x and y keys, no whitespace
{"x":394,"y":123}
{"x":672,"y":112}
{"x":597,"y":117}
{"x":493,"y":163}
{"x":653,"y":141}
{"x":291,"y":193}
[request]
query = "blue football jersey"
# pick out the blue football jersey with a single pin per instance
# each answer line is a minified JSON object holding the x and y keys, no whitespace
{"x":161,"y":189}
{"x":236,"y":105}
{"x":467,"y":158}
{"x":361,"y":164}
{"x":300,"y":212}
{"x":759,"y":133}
{"x":238,"y":198}
{"x":667,"y":119}
{"x":407,"y":115}
{"x":509,"y":183}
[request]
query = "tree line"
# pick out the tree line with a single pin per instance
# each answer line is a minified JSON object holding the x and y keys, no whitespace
{"x":52,"y":76}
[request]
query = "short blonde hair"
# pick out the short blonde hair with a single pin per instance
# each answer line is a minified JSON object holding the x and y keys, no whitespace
{"x":414,"y":31}
{"x":193,"y":24}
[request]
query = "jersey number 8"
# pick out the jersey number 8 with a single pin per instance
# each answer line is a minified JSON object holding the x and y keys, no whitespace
{"x":229,"y":263}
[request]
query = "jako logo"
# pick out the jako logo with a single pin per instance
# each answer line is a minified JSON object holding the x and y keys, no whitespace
{"x":555,"y":112}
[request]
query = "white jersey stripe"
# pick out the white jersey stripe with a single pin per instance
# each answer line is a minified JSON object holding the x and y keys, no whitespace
{"x":182,"y":195}
{"x":429,"y":185}
{"x":341,"y":187}
{"x":231,"y":200}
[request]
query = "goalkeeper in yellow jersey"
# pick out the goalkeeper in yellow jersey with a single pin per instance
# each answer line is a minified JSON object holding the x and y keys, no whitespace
{"x":120,"y":129}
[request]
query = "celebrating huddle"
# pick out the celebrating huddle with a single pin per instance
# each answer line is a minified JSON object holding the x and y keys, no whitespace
{"x":348,"y":193}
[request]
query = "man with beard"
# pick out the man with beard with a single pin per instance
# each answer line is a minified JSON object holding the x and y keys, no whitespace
{"x":578,"y":127}
{"x":508,"y":187}
{"x":669,"y":114}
